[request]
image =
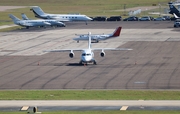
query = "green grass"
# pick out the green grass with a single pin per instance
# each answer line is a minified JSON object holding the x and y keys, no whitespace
{"x":10,"y":29}
{"x":87,"y":7}
{"x":100,"y":112}
{"x":89,"y":95}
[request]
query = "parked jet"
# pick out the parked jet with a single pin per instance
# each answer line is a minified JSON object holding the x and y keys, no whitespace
{"x":52,"y":22}
{"x":98,"y":37}
{"x":173,"y":9}
{"x":39,"y":13}
{"x":28,"y":23}
{"x":87,"y":55}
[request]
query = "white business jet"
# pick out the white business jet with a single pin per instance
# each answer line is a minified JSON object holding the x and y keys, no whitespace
{"x":87,"y":55}
{"x":98,"y":37}
{"x":29,"y":23}
{"x":39,"y":13}
{"x":52,"y":22}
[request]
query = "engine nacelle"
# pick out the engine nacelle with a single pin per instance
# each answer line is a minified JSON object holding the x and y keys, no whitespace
{"x":102,"y":54}
{"x":71,"y":55}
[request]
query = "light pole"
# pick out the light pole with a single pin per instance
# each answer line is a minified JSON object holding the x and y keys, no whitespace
{"x":124,"y":9}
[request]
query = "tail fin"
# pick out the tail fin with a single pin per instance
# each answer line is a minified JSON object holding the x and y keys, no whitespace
{"x":89,"y":43}
{"x":116,"y":32}
{"x":24,"y":17}
{"x":14,"y":18}
{"x":37,"y":11}
{"x":173,"y":9}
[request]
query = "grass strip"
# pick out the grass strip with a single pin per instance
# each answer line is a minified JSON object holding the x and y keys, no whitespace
{"x":89,"y":95}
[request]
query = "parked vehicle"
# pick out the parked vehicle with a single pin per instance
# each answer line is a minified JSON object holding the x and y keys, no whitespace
{"x":159,"y":19}
{"x":132,"y":18}
{"x":114,"y":18}
{"x":177,"y":23}
{"x":145,"y":18}
{"x":167,"y":18}
{"x":99,"y":18}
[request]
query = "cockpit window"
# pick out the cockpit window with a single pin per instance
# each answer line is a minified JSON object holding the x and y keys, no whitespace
{"x":84,"y":54}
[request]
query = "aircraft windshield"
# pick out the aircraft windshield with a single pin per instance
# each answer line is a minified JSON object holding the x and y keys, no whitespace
{"x":86,"y":54}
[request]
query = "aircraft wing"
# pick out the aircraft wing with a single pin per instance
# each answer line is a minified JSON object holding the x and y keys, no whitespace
{"x":81,"y":35}
{"x":113,"y":49}
{"x":46,"y":23}
{"x":27,"y":24}
{"x":64,"y":50}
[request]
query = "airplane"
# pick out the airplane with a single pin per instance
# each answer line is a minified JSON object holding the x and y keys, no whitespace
{"x":39,"y":13}
{"x":87,"y":55}
{"x":98,"y":37}
{"x":173,"y":9}
{"x":28,"y":23}
{"x":52,"y":22}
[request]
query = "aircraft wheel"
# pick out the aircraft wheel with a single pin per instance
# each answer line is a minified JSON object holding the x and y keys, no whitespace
{"x":94,"y":63}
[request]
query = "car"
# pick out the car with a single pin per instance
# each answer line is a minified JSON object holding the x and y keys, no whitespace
{"x":145,"y":18}
{"x":177,"y":23}
{"x":132,"y":18}
{"x":114,"y":18}
{"x":168,"y":18}
{"x":100,"y":18}
{"x":159,"y":19}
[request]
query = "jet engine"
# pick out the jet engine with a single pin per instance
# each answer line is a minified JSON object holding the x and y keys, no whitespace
{"x":102,"y":54}
{"x":71,"y":55}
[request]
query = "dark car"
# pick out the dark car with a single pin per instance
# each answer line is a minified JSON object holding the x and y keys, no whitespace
{"x":168,"y":18}
{"x":99,"y":18}
{"x":114,"y":18}
{"x":132,"y":18}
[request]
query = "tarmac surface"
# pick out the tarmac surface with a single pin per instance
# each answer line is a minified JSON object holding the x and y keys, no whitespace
{"x":152,"y":64}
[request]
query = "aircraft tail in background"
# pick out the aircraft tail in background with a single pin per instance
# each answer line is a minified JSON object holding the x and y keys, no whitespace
{"x":173,"y":9}
{"x":24,"y":17}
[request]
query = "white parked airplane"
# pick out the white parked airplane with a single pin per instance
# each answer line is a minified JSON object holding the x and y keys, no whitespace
{"x":52,"y":22}
{"x":39,"y":13}
{"x":98,"y":37}
{"x":87,"y":55}
{"x":28,"y":23}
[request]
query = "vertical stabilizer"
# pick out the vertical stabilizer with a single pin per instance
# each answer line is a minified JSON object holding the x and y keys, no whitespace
{"x":173,"y":9}
{"x":117,"y":32}
{"x":24,"y":17}
{"x":37,"y":11}
{"x":89,"y":43}
{"x":14,"y":18}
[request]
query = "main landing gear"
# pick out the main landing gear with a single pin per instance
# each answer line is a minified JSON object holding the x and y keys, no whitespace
{"x":86,"y":63}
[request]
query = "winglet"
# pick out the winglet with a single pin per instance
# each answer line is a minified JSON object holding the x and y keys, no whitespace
{"x":117,"y":32}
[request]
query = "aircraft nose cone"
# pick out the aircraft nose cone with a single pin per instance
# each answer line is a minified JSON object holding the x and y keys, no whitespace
{"x":90,"y":19}
{"x":86,"y":59}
